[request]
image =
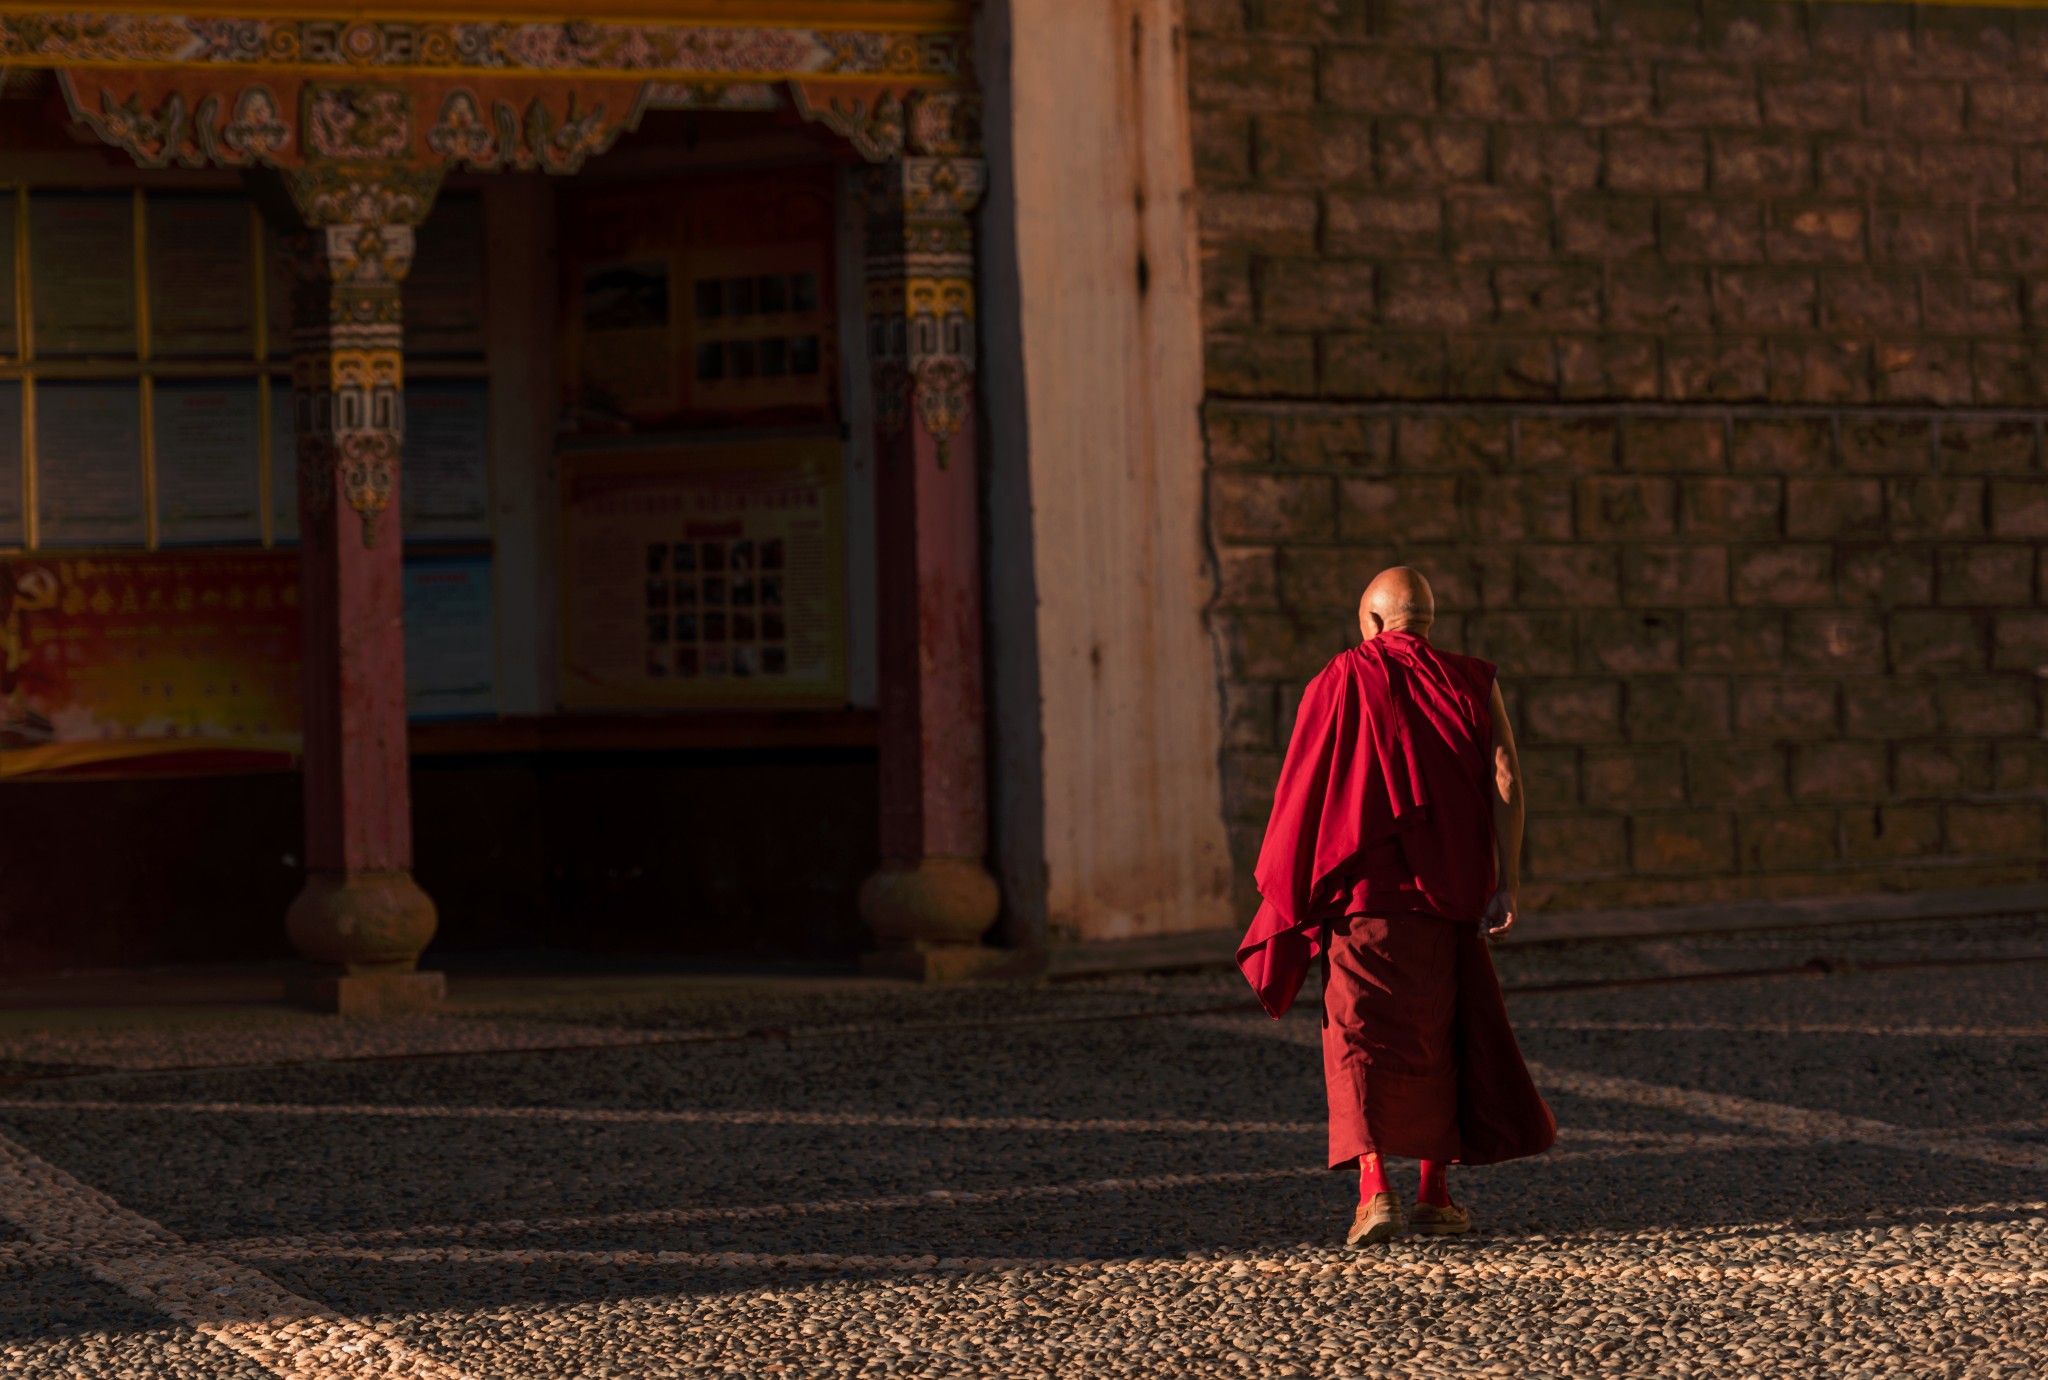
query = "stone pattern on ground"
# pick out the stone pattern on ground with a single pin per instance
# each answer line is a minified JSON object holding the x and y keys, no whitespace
{"x":1829,"y":1175}
{"x":1691,"y":349}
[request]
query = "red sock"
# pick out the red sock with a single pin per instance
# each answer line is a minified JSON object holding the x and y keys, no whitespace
{"x":1433,"y":1190}
{"x":1372,"y":1178}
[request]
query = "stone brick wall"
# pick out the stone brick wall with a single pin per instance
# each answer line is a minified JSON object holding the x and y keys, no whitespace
{"x":1690,"y":349}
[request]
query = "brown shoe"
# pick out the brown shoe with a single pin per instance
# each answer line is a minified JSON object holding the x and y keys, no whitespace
{"x":1378,"y":1220}
{"x":1430,"y":1220}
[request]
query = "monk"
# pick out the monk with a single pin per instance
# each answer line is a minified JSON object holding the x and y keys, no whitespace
{"x":1394,"y":855}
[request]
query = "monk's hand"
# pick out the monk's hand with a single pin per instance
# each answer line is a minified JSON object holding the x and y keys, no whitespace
{"x":1501,"y":913}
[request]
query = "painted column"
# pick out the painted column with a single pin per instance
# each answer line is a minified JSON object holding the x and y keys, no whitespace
{"x":933,"y":898}
{"x":360,"y":919}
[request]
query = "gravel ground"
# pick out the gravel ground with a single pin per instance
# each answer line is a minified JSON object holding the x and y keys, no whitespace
{"x":1834,"y":1174}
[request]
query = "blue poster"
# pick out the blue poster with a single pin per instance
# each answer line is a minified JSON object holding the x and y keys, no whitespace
{"x":451,"y":641}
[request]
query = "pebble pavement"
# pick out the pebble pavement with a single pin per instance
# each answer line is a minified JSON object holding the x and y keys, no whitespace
{"x":1838,"y":1172}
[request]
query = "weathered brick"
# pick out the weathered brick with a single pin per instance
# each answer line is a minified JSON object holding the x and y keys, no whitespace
{"x":1314,"y":18}
{"x":1734,"y":640}
{"x":1274,"y":222}
{"x":1706,"y":93}
{"x":1493,"y":86}
{"x":1849,"y":640}
{"x":1550,"y":775}
{"x":1716,"y":368}
{"x":1423,"y":295}
{"x":1937,"y":642}
{"x":1920,"y":235}
{"x":1525,"y":644}
{"x":2020,"y":765}
{"x":1237,"y":436}
{"x":1735,"y":773}
{"x":1767,"y":162}
{"x":1968,"y":43}
{"x":2020,"y":641}
{"x":1628,"y":641}
{"x":1408,"y":508}
{"x":1322,"y":583}
{"x":1989,"y":705}
{"x":1784,"y":575}
{"x":1607,"y":227}
{"x":1546,"y":157}
{"x":1249,"y":779}
{"x":1838,"y":770}
{"x":1251,"y":366}
{"x":1567,"y":576}
{"x":1931,"y":507}
{"x":1925,"y":371}
{"x":1880,"y":706}
{"x":1245,"y":577}
{"x":1870,"y":300}
{"x":1405,"y":226}
{"x":1912,"y":106}
{"x":1861,"y":37}
{"x":1971,"y":305}
{"x":1942,"y":767}
{"x":1468,"y":444}
{"x":1212,"y":18}
{"x":1278,"y":646}
{"x":1711,"y":231}
{"x":2007,"y":831}
{"x":1615,"y":506}
{"x":1820,"y":369}
{"x":1572,"y":711}
{"x":1786,"y":840}
{"x":1764,"y":298}
{"x":1676,"y":709}
{"x":1303,"y":294}
{"x":1815,"y":232}
{"x":1601,"y":91}
{"x":1806,"y":99}
{"x":1753,"y":31}
{"x":1878,"y":445}
{"x":1324,"y":149}
{"x":1917,"y":171}
{"x":1385,"y":81}
{"x":1608,"y":367}
{"x":2019,"y":507}
{"x":1660,"y":576}
{"x":1228,"y":303}
{"x":1553,"y":296}
{"x":1886,"y":576}
{"x":1501,"y":367}
{"x":1688,"y":841}
{"x":1634,"y":778}
{"x":1738,"y":508}
{"x":1248,"y":716}
{"x":1654,"y":297}
{"x":1656,"y":160}
{"x":1550,"y":24}
{"x":2007,"y":373}
{"x":1497,"y":225}
{"x":1785,"y":707}
{"x":1250,"y":76}
{"x":1334,"y":438}
{"x":1576,"y":845}
{"x":1222,"y":147}
{"x":1824,"y":508}
{"x":1383,"y":366}
{"x":1778,"y":447}
{"x":1566,"y":443}
{"x":1891,"y":831}
{"x":1432,"y":21}
{"x":1521,"y":508}
{"x":2012,"y":237}
{"x":1254,"y":507}
{"x":1431,"y":153}
{"x":1674,"y":443}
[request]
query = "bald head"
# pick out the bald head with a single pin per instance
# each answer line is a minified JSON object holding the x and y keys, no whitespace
{"x":1397,"y":600}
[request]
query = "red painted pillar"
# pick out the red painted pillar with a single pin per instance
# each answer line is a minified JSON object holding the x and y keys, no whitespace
{"x":360,"y":918}
{"x":933,"y":899}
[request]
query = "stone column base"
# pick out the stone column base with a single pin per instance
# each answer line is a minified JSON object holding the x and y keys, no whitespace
{"x":954,"y":963}
{"x":369,"y":994}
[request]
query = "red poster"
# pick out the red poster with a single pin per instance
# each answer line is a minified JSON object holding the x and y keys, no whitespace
{"x":149,"y":662}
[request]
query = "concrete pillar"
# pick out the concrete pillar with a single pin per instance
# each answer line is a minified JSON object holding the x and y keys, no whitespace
{"x":1105,"y":680}
{"x":361,"y":919}
{"x":933,"y":899}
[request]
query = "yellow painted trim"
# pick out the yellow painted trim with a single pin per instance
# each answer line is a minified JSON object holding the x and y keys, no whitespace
{"x":61,"y":756}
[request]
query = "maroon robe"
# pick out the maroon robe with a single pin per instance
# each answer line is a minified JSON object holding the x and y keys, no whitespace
{"x":1379,"y":858}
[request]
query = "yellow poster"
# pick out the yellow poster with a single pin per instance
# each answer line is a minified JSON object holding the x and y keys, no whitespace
{"x":705,"y":575}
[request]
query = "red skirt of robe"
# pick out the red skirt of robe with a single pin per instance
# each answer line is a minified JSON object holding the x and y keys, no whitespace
{"x":1418,"y":1056}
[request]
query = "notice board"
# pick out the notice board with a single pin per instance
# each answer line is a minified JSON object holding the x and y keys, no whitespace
{"x":704,"y":575}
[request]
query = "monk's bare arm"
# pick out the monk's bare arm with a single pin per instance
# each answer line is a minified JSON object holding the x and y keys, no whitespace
{"x":1508,"y":812}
